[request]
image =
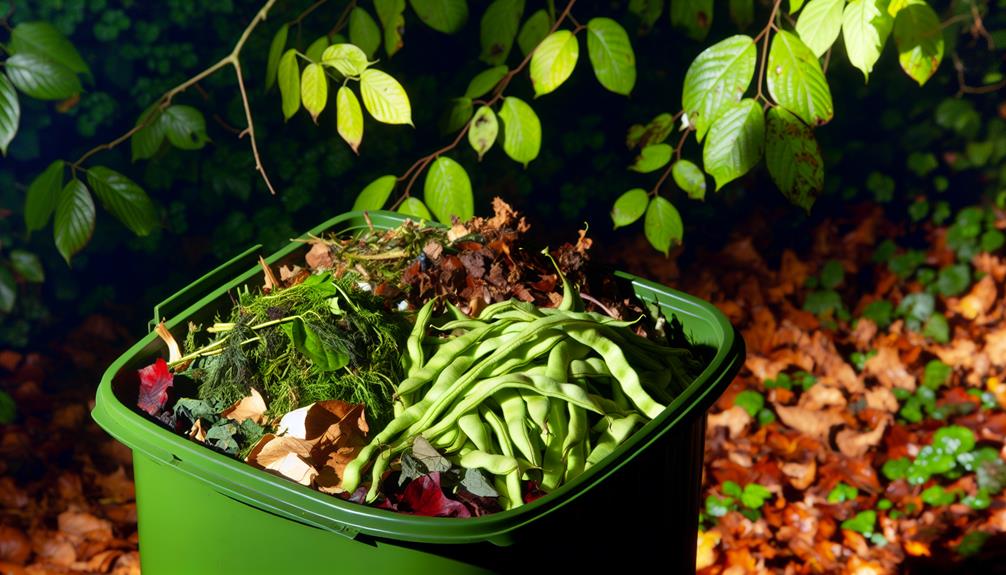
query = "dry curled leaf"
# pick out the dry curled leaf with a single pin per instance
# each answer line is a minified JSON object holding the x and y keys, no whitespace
{"x":800,"y":475}
{"x":735,"y":419}
{"x":252,"y":407}
{"x":855,"y":444}
{"x":816,"y":424}
{"x":886,"y":366}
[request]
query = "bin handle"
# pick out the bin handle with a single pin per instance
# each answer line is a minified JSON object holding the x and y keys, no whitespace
{"x":191,"y":293}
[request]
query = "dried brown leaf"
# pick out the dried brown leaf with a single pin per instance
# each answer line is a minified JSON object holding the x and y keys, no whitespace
{"x":886,"y":366}
{"x":735,"y":419}
{"x":855,"y":444}
{"x":814,"y":423}
{"x":252,"y":407}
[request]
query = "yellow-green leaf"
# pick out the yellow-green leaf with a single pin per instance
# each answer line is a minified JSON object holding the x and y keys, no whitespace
{"x":448,"y":191}
{"x":385,"y":98}
{"x":374,"y":196}
{"x":663,"y":227}
{"x":74,"y":220}
{"x":482,"y":133}
{"x":735,"y":142}
{"x":484,"y":81}
{"x":795,"y":80}
{"x":456,"y":115}
{"x":652,"y":157}
{"x":314,"y":90}
{"x":391,"y":15}
{"x":521,"y":130}
{"x":498,"y":29}
{"x":348,"y":59}
{"x":416,"y":208}
{"x":919,"y":37}
{"x":866,"y":24}
{"x":689,"y":178}
{"x":716,"y":79}
{"x":629,"y":207}
{"x":349,"y":117}
{"x":611,"y":55}
{"x":275,"y":53}
{"x":819,"y":24}
{"x":553,"y":61}
{"x":317,"y":49}
{"x":288,"y":77}
{"x":363,"y":31}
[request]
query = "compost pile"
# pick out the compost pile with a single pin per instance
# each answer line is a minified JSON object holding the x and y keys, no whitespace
{"x":429,"y":370}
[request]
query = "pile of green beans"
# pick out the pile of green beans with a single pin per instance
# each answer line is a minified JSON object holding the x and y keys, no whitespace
{"x":523,"y":392}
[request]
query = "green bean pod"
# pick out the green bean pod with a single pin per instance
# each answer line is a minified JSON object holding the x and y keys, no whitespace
{"x":554,"y":466}
{"x":491,"y":462}
{"x":473,"y":427}
{"x":413,"y":357}
{"x":537,"y":407}
{"x":616,"y":430}
{"x":576,"y":461}
{"x":516,"y":417}
{"x":578,"y":428}
{"x":619,"y":367}
{"x":512,"y":478}
{"x":380,"y":466}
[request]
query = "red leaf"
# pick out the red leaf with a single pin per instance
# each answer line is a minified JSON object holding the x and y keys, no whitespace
{"x":423,"y":496}
{"x":155,"y":380}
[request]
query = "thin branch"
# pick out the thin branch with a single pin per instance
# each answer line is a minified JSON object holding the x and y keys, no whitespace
{"x":307,"y":11}
{"x":343,"y":19}
{"x":670,"y":165}
{"x":764,"y":49}
{"x":419,"y":165}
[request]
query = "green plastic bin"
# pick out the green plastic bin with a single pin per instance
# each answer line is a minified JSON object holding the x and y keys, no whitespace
{"x":203,"y":512}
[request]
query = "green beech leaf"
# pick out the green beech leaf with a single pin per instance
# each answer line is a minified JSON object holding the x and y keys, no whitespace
{"x":553,"y":61}
{"x":485,"y":81}
{"x":735,"y":142}
{"x":148,"y":139}
{"x":27,"y":265}
{"x":819,"y":24}
{"x":483,"y":132}
{"x":795,"y":5}
{"x":43,"y":195}
{"x":44,"y":39}
{"x":316,"y":51}
{"x":314,"y":90}
{"x":275,"y":53}
{"x":533,"y":31}
{"x":456,"y":115}
{"x":629,"y":207}
{"x":124,"y":199}
{"x":693,"y":16}
{"x":521,"y":130}
{"x":385,"y":98}
{"x":652,"y":157}
{"x":416,"y":208}
{"x":363,"y":31}
{"x":10,"y":113}
{"x":349,"y":118}
{"x":793,"y":158}
{"x":447,"y":16}
{"x":8,"y":296}
{"x":689,"y":178}
{"x":41,"y":78}
{"x":288,"y":76}
{"x":795,"y":80}
{"x":74,"y":220}
{"x":918,"y":35}
{"x":865,"y":27}
{"x":448,"y":191}
{"x":391,"y":15}
{"x":655,"y":132}
{"x":611,"y":55}
{"x":376,"y":194}
{"x":498,"y":29}
{"x":716,"y":79}
{"x":648,"y":12}
{"x":185,"y":127}
{"x":346,"y":58}
{"x":742,"y":13}
{"x":663,"y":226}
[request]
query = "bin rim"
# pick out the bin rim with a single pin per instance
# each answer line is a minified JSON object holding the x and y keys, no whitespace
{"x":274,"y":494}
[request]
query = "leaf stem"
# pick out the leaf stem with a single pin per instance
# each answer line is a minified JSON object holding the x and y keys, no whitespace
{"x":343,"y":19}
{"x":764,"y":50}
{"x":307,"y":11}
{"x":419,"y":165}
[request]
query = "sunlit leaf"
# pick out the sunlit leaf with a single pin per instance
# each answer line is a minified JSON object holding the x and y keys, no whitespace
{"x":819,"y":24}
{"x":652,"y":157}
{"x":663,"y":227}
{"x":448,"y":191}
{"x":275,"y":53}
{"x":314,"y":90}
{"x":376,"y":194}
{"x":416,"y":208}
{"x":349,"y":117}
{"x":553,"y":61}
{"x":41,"y":78}
{"x":716,"y":79}
{"x":288,"y":76}
{"x":793,"y":158}
{"x":74,"y":220}
{"x":363,"y":31}
{"x":447,"y":16}
{"x":482,"y":133}
{"x":43,"y":196}
{"x":485,"y":81}
{"x":124,"y":199}
{"x":44,"y":39}
{"x":385,"y":98}
{"x":735,"y":142}
{"x":795,"y":80}
{"x":346,"y":58}
{"x":629,"y":207}
{"x":611,"y":55}
{"x":866,"y":24}
{"x":498,"y":29}
{"x":918,"y":34}
{"x":10,"y":113}
{"x":689,"y":178}
{"x":521,"y":130}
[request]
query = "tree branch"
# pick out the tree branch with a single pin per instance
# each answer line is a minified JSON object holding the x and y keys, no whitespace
{"x":764,"y":50}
